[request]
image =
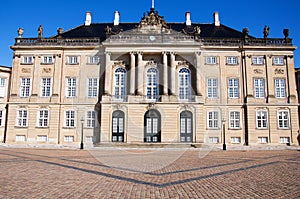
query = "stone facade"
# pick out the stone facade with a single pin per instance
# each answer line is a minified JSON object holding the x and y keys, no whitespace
{"x":153,"y":81}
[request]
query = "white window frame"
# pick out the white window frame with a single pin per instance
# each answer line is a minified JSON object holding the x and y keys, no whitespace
{"x":211,"y":60}
{"x":283,"y":119}
{"x":258,"y":60}
{"x":262,"y":140}
{"x":213,"y":119}
{"x":91,"y":119}
{"x":47,"y":59}
{"x":278,"y":61}
{"x":212,"y":88}
{"x":27,"y":59}
{"x":120,"y":84}
{"x":234,"y":120}
{"x":235,"y":140}
{"x":280,"y":88}
{"x":72,"y":59}
{"x":213,"y":140}
{"x":3,"y":86}
{"x":22,"y":118}
{"x":42,"y":138}
{"x":259,"y":87}
{"x":25,"y":87}
{"x":232,"y":60}
{"x":92,"y":87}
{"x":71,"y":87}
{"x":233,"y":88}
{"x":284,"y":140}
{"x":70,"y":119}
{"x":46,"y":87}
{"x":43,"y":118}
{"x":262,"y":119}
{"x":69,"y":138}
{"x":184,"y":84}
{"x":93,"y":60}
{"x":152,"y":84}
{"x":20,"y":138}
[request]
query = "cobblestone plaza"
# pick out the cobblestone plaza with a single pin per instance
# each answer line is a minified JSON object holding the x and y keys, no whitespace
{"x":72,"y":173}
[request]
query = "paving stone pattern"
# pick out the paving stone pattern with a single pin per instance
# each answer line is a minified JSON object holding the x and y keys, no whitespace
{"x":71,"y":173}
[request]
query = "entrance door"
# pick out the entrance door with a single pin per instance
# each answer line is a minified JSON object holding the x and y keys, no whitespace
{"x":118,"y":126}
{"x":152,"y":132}
{"x":186,"y":126}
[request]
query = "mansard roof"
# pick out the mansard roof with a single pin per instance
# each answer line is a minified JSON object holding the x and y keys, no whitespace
{"x":98,"y":30}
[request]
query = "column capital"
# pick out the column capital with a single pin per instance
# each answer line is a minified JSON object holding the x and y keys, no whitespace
{"x":140,"y":52}
{"x":172,"y":53}
{"x":198,"y":53}
{"x":107,"y":52}
{"x":132,"y":52}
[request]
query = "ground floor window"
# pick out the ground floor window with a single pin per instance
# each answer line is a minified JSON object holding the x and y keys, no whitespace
{"x":186,"y":126}
{"x":152,"y":132}
{"x":262,"y":140}
{"x":284,"y":140}
{"x":118,"y":126}
{"x":41,"y":138}
{"x":213,"y":140}
{"x":69,"y":138}
{"x":20,"y":138}
{"x":235,"y":140}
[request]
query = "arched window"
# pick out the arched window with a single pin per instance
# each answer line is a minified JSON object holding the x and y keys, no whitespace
{"x":186,"y":126}
{"x":184,"y":84}
{"x":120,"y":84}
{"x":118,"y":126}
{"x":152,"y":84}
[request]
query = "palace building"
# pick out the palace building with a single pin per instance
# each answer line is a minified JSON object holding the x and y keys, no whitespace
{"x":153,"y":81}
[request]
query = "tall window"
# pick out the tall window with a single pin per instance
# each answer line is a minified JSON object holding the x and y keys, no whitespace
{"x":2,"y":87}
{"x":233,"y":88}
{"x":211,"y":60}
{"x":257,"y":60}
{"x":212,"y":88}
{"x":152,"y":84}
{"x":259,"y":88}
{"x":27,"y":59}
{"x":92,"y":87}
{"x":213,"y":119}
{"x":43,"y":118}
{"x":283,"y":119}
{"x":45,"y":87}
{"x":261,"y":119}
{"x":22,"y":118}
{"x":72,"y":59}
{"x":278,"y":61}
{"x":280,"y":88}
{"x":93,"y":59}
{"x":47,"y":59}
{"x":71,"y":87}
{"x":25,"y":87}
{"x":91,"y":117}
{"x":120,"y":84}
{"x":232,"y":60}
{"x":184,"y":84}
{"x":69,"y":118}
{"x":234,"y":119}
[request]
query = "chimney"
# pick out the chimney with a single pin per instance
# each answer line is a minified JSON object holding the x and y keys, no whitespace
{"x":88,"y":18}
{"x":117,"y":18}
{"x":216,"y":18}
{"x":188,"y":21}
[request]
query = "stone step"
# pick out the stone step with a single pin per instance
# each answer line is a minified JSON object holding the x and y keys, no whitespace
{"x":150,"y":145}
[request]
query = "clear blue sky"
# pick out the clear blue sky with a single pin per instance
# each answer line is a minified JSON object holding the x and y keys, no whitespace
{"x":237,"y":14}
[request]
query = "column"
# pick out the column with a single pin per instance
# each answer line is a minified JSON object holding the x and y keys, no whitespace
{"x":198,"y":73}
{"x":165,"y":70}
{"x":173,"y":73}
{"x":140,"y":73}
{"x":107,"y":87}
{"x":132,"y":73}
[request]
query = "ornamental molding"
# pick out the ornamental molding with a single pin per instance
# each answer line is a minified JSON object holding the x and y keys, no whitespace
{"x":258,"y":71}
{"x":278,"y":71}
{"x":26,"y":70}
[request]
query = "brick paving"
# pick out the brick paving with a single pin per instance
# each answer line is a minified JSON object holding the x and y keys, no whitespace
{"x":72,"y":173}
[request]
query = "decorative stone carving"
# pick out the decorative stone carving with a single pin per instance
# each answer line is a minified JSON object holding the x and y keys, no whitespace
{"x":266,"y":32}
{"x":183,"y":63}
{"x":46,"y":70}
{"x":26,"y":70}
{"x":119,"y":63}
{"x":279,"y":71}
{"x":152,"y":18}
{"x":40,"y":32}
{"x":258,"y":71}
{"x":246,"y":32}
{"x":151,"y":63}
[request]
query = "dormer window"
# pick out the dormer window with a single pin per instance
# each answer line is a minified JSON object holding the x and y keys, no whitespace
{"x":72,"y":59}
{"x":47,"y":59}
{"x":257,"y":60}
{"x":93,"y":60}
{"x":278,"y":61}
{"x":211,"y":60}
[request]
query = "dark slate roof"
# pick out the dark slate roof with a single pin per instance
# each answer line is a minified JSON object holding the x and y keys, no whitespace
{"x":97,"y":30}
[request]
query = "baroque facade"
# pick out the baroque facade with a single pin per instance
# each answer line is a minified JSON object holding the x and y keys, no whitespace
{"x":153,"y":81}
